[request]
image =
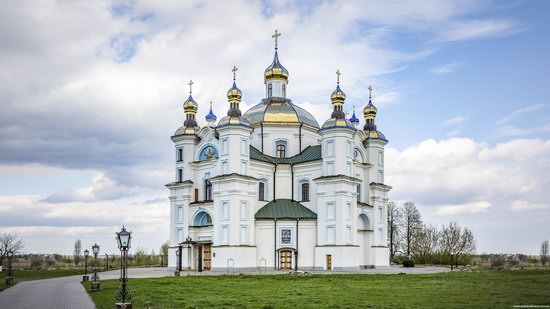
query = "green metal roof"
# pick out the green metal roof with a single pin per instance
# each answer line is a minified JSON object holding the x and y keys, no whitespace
{"x":285,"y":209}
{"x":311,"y":153}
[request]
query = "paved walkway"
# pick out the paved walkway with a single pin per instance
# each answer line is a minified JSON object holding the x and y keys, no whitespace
{"x":67,"y":292}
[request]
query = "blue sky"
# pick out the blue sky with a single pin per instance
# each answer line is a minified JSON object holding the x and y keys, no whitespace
{"x":91,"y":92}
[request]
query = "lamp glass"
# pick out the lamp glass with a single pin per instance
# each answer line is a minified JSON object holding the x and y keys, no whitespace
{"x":95,"y":249}
{"x":10,"y":254}
{"x":86,"y":252}
{"x":123,"y":239}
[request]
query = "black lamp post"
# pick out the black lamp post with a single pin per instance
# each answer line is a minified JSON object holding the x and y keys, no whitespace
{"x":178,"y":261}
{"x":95,"y":276}
{"x":106,"y":262}
{"x":161,"y":260}
{"x":9,"y":275}
{"x":188,"y":243}
{"x":86,"y":277}
{"x":123,"y":239}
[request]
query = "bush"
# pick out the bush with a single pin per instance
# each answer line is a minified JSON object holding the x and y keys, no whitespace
{"x":408,"y":263}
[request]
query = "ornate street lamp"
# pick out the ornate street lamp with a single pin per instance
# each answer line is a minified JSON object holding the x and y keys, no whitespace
{"x":106,"y":262}
{"x":9,"y":275}
{"x":178,"y":261}
{"x":95,"y":276}
{"x":161,"y":260}
{"x":86,"y":277}
{"x":123,"y":239}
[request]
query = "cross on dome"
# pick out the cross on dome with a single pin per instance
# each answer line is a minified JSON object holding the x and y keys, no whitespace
{"x":276,"y":36}
{"x":190,"y":86}
{"x":234,"y":70}
{"x":370,"y":91}
{"x":338,"y":76}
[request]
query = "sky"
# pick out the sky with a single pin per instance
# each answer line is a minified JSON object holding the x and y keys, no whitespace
{"x":91,"y":91}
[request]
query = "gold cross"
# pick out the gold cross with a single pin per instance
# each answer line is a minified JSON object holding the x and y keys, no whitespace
{"x":338,"y":76}
{"x":190,"y":86}
{"x":210,"y":105}
{"x":370,"y":91}
{"x":276,"y":35}
{"x":234,"y":71}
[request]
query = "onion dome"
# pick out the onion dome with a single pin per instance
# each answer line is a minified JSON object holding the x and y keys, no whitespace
{"x":370,"y":115}
{"x":190,"y":107}
{"x":279,"y":111}
{"x":234,"y":93}
{"x":276,"y":69}
{"x":338,"y":117}
{"x":211,"y":118}
{"x":234,"y":96}
{"x":354,"y":118}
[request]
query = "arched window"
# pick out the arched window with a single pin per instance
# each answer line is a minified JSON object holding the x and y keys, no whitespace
{"x":305,"y":192}
{"x":281,"y":151}
{"x":261,"y":191}
{"x":180,"y":154}
{"x":363,"y":222}
{"x":269,"y":90}
{"x":207,"y":190}
{"x":202,"y":219}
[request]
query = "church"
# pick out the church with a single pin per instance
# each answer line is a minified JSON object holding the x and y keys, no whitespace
{"x":272,"y":189}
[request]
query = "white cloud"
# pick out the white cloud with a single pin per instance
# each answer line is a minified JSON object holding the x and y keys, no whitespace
{"x":521,"y":206}
{"x":479,"y":29}
{"x":447,"y":68}
{"x":455,"y":120}
{"x":469,"y":208}
{"x":520,"y":111}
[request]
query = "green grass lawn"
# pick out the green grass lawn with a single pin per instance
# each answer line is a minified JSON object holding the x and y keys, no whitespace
{"x":486,"y":289}
{"x":26,"y":275}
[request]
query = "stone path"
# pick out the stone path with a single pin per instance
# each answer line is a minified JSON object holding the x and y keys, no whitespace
{"x":56,"y":293}
{"x":67,"y":292}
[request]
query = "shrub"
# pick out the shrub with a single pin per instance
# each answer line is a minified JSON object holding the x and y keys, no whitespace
{"x":408,"y":263}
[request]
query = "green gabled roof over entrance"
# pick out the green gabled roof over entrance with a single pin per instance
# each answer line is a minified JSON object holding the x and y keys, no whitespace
{"x":285,"y":209}
{"x":311,"y":153}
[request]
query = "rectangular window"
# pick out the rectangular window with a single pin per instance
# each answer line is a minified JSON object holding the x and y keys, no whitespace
{"x":179,"y":215}
{"x":224,"y":167}
{"x":349,"y":149}
{"x":243,"y":167}
{"x":380,"y":215}
{"x":331,"y":211}
{"x":244,"y":210}
{"x":243,"y":147}
{"x":380,"y":176}
{"x":349,"y":235}
{"x":261,"y":191}
{"x":380,"y":237}
{"x":358,"y":193}
{"x":224,"y":211}
{"x":286,"y":236}
{"x":381,"y":158}
{"x":330,"y":168}
{"x":305,"y":191}
{"x":331,"y":235}
{"x":224,"y":146}
{"x":180,"y":154}
{"x":180,"y":235}
{"x":244,"y":234}
{"x":348,"y":170}
{"x":225,"y":235}
{"x":348,"y":211}
{"x":180,"y":174}
{"x":330,"y":149}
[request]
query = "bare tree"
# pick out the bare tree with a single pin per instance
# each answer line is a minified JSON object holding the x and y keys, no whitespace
{"x":9,"y":242}
{"x":456,"y":241}
{"x":426,"y":244}
{"x":164,"y":249}
{"x":77,"y":251}
{"x":394,"y":217}
{"x":412,"y":221}
{"x":544,"y":253}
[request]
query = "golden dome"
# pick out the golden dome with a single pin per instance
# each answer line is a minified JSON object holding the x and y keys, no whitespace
{"x":190,"y":106}
{"x":338,"y":95}
{"x":234,"y":93}
{"x":276,"y":69}
{"x":370,"y":110}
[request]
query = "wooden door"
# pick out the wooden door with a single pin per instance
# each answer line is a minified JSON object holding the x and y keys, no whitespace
{"x":285,"y":257}
{"x":207,"y":256}
{"x":329,"y":262}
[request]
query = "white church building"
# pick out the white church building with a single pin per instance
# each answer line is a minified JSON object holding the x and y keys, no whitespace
{"x":271,"y":188}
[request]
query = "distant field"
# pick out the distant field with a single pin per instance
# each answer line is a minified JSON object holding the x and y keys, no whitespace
{"x":26,"y":275}
{"x":485,"y":289}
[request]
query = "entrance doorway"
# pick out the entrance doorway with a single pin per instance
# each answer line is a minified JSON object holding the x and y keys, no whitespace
{"x":285,"y":258}
{"x":329,"y":262}
{"x":207,"y":256}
